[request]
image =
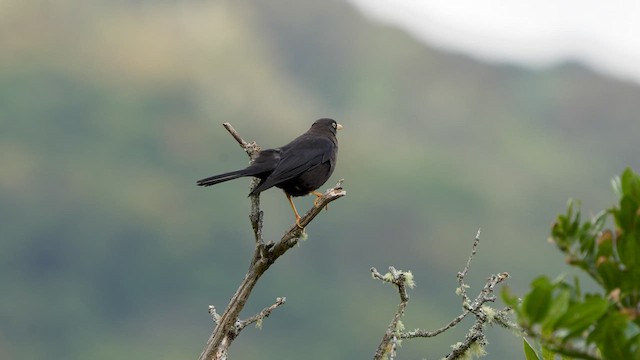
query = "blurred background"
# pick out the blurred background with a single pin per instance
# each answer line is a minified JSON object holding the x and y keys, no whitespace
{"x":111,"y":110}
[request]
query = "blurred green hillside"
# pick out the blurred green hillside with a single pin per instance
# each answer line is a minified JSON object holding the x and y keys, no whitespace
{"x":111,"y":110}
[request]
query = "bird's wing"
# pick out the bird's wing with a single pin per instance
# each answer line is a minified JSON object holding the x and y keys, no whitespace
{"x":267,"y":160}
{"x":298,"y":157}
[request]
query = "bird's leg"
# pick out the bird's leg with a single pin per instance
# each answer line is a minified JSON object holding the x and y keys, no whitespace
{"x":295,"y":211}
{"x":317,"y":200}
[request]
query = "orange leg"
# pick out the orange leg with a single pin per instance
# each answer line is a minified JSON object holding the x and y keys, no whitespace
{"x":295,"y":211}
{"x":317,"y":200}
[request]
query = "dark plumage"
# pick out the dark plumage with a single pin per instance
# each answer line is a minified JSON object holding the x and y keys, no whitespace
{"x":298,"y":168}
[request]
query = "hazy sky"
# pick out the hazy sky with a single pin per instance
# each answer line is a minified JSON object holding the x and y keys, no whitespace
{"x":604,"y":35}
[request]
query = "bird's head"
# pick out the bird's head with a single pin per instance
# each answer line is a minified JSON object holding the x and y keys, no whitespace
{"x":326,"y":124}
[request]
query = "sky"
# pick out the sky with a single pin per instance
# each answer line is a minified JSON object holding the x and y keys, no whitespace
{"x":603,"y":35}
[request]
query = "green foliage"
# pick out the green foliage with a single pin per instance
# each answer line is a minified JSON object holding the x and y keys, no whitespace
{"x":529,"y":353}
{"x":604,"y":324}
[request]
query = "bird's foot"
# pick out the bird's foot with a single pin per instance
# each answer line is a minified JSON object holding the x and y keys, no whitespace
{"x":316,"y":202}
{"x":298,"y":223}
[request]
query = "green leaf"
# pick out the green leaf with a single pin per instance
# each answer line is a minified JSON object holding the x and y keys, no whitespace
{"x":529,"y":353}
{"x":587,"y":240}
{"x":616,"y":184}
{"x":630,"y":288}
{"x":548,"y":354}
{"x":557,"y":309}
{"x":564,"y":229}
{"x":609,"y":336}
{"x":600,"y":220}
{"x":536,"y":303}
{"x":630,"y":184}
{"x":576,"y":286}
{"x":627,"y":215}
{"x":581,"y":315}
{"x":629,"y":250}
{"x":610,"y":275}
{"x":633,"y":347}
{"x":605,"y":243}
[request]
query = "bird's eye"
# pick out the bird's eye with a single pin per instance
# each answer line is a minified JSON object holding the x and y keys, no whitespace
{"x":334,"y":125}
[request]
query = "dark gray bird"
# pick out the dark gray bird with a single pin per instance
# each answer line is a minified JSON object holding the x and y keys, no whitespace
{"x":298,"y":168}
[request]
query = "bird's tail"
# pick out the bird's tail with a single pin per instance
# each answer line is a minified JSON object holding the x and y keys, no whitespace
{"x":216,"y":179}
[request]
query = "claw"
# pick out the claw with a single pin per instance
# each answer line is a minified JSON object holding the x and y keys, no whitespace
{"x":317,"y":200}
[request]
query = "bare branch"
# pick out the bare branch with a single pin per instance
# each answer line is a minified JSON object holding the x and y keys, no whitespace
{"x":252,"y":149}
{"x":423,"y":333}
{"x":245,"y":145}
{"x":474,"y":342}
{"x":462,"y":288}
{"x":293,"y":234}
{"x":260,"y":316}
{"x":389,"y":342}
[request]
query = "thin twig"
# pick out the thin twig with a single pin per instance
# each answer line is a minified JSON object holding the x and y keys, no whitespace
{"x":252,"y":149}
{"x":462,"y":288}
{"x":475,"y":338}
{"x":234,"y":133}
{"x":389,"y":342}
{"x":423,"y":333}
{"x":261,"y":315}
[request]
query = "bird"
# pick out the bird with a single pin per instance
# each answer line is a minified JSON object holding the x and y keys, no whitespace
{"x":298,"y":168}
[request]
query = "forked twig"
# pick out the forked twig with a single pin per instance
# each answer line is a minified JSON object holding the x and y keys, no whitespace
{"x":475,"y":338}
